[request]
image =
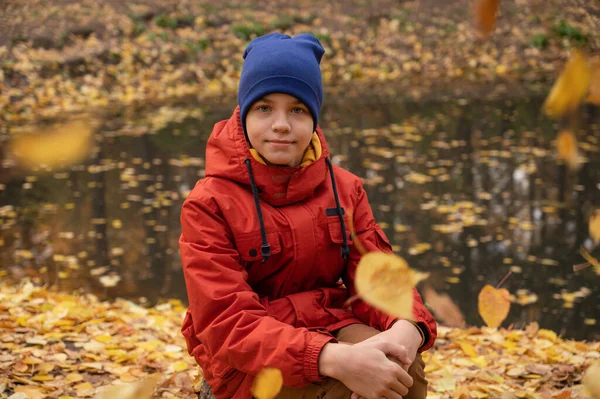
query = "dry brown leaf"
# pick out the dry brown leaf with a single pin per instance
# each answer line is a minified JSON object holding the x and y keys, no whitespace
{"x":494,"y":305}
{"x":594,"y":226}
{"x":566,"y":146}
{"x":268,"y":383}
{"x":446,"y":311}
{"x":485,"y":16}
{"x":591,"y":380}
{"x":56,"y":146}
{"x":385,"y":281}
{"x":570,"y":87}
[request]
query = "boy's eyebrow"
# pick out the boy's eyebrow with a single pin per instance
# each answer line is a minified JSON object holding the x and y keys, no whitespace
{"x":268,"y":100}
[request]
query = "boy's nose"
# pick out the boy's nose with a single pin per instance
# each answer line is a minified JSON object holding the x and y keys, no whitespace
{"x":281,"y":123}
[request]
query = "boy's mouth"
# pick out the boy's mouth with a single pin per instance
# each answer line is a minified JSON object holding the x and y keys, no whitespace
{"x":280,"y":143}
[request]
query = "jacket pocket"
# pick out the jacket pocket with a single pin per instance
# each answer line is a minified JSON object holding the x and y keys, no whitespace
{"x":249,"y":246}
{"x":335,"y":230}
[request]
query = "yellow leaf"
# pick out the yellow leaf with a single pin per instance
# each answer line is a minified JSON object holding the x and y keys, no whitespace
{"x":267,"y":384}
{"x":43,"y":377}
{"x":547,"y":335}
{"x":591,"y":380}
{"x":56,"y":146}
{"x":142,"y":389}
{"x":103,"y":338}
{"x":73,"y":377}
{"x":468,"y":349}
{"x":566,"y":145}
{"x":570,"y":87}
{"x":485,"y":16}
{"x":31,"y":392}
{"x":594,"y":96}
{"x":84,"y":389}
{"x":180,"y":366}
{"x":595,"y":226}
{"x":494,"y":305}
{"x":386,"y":282}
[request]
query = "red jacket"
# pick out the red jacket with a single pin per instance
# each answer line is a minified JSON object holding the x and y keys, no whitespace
{"x":246,"y":313}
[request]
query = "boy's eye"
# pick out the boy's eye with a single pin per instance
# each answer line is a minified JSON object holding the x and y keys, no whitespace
{"x":263,"y":108}
{"x":297,"y":110}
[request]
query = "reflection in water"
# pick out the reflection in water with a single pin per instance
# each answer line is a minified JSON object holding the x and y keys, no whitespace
{"x":466,"y":191}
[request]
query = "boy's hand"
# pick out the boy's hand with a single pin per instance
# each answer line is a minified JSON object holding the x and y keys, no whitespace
{"x":366,"y":369}
{"x":403,"y":333}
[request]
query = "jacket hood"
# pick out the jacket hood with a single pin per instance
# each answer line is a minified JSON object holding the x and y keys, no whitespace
{"x":227,"y":150}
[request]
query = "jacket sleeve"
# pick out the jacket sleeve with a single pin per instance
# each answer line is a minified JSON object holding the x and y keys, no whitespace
{"x":228,"y":317}
{"x":373,"y":239}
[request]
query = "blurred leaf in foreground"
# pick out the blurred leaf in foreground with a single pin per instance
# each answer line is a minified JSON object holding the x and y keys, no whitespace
{"x":53,"y":146}
{"x":267,"y":384}
{"x":142,"y":389}
{"x":594,"y":93}
{"x":386,"y":282}
{"x":566,"y":145}
{"x":570,"y":87}
{"x":594,"y":226}
{"x":591,"y":380}
{"x":485,"y":16}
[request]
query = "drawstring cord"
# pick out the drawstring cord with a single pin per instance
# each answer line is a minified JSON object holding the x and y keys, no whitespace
{"x":345,"y":247}
{"x":265,"y":248}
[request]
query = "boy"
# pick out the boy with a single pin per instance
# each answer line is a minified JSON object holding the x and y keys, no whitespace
{"x":265,"y":242}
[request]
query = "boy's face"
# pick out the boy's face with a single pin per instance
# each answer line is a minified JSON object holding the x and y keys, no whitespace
{"x":280,"y":128}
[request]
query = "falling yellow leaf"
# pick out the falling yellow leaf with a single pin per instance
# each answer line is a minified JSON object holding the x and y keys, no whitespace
{"x":594,"y":226}
{"x":485,"y":16}
{"x":494,"y":305}
{"x":570,"y":87}
{"x":594,"y":92}
{"x":591,"y":380}
{"x":386,"y":282}
{"x":56,"y":146}
{"x":267,"y":384}
{"x":566,"y":146}
{"x":142,"y":389}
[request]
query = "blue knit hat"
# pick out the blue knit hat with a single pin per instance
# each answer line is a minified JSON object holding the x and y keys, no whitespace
{"x":277,"y":63}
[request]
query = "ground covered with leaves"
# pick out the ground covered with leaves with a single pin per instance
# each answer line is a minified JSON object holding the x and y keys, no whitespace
{"x":55,"y":345}
{"x":69,"y":56}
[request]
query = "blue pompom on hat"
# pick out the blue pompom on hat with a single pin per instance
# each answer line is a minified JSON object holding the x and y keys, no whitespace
{"x":277,"y":63}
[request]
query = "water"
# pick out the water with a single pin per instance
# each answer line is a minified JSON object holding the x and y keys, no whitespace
{"x":467,"y":190}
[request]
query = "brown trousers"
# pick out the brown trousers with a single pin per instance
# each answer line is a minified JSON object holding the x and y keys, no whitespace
{"x":334,"y":389}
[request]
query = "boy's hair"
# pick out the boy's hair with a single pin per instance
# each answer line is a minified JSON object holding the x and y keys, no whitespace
{"x":277,"y":63}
